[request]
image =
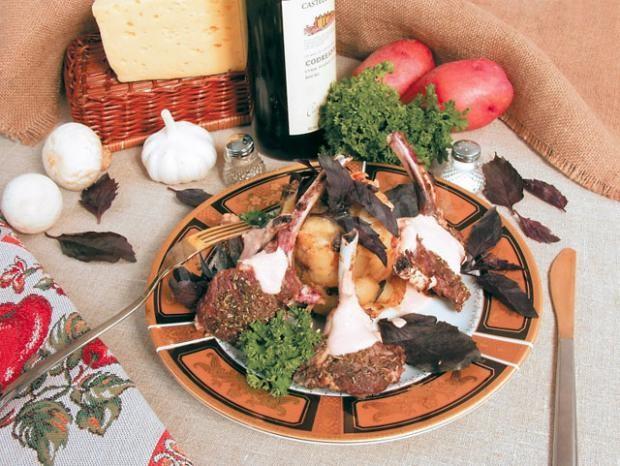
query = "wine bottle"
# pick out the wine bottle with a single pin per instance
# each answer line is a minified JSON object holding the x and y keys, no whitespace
{"x":291,"y":63}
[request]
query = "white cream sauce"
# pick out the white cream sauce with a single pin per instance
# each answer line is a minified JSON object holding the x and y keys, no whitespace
{"x":434,"y":237}
{"x":269,"y":269}
{"x":349,"y":329}
{"x":413,"y":301}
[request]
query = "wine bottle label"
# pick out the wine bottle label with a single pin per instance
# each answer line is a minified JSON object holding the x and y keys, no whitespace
{"x":309,"y":28}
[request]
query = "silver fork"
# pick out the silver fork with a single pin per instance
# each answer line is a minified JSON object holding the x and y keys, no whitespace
{"x":177,"y":256}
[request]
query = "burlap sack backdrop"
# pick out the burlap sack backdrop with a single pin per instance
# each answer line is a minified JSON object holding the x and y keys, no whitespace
{"x":549,"y":113}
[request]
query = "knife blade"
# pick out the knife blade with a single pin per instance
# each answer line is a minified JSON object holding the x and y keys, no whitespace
{"x":562,"y":290}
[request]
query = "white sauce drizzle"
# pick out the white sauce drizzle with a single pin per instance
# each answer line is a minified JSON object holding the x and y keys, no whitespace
{"x":434,"y":237}
{"x":413,"y":301}
{"x":349,"y":329}
{"x":269,"y":269}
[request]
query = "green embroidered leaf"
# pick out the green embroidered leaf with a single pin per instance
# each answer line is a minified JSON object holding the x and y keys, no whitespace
{"x":38,"y":382}
{"x":100,"y":387}
{"x":45,"y":283}
{"x":97,"y":417}
{"x":57,"y":370}
{"x":66,"y":329}
{"x":30,"y":270}
{"x":74,"y":359}
{"x":76,"y":396}
{"x":43,"y":426}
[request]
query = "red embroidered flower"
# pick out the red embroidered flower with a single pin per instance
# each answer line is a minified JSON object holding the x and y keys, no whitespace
{"x":14,"y":276}
{"x":96,"y":354}
{"x":23,"y":328}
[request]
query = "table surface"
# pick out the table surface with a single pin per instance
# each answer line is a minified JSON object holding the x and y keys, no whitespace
{"x":513,"y":427}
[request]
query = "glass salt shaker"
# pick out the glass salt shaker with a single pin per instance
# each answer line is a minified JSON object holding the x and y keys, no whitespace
{"x":464,"y":168}
{"x":241,"y":161}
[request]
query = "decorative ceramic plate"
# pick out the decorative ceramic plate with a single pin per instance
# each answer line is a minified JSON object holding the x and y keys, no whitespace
{"x":213,"y":372}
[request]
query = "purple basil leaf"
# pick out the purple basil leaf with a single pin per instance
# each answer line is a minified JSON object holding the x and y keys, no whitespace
{"x":338,"y":184}
{"x":364,"y":195}
{"x":304,"y":180}
{"x":96,"y":246}
{"x":192,"y":197}
{"x":508,"y":292}
{"x":187,"y":287}
{"x":547,"y":192}
{"x":307,"y":163}
{"x":536,"y":230}
{"x":503,"y":184}
{"x":98,"y":197}
{"x":404,"y":198}
{"x":431,"y":345}
{"x":368,"y":237}
{"x":343,"y":191}
{"x":485,"y":234}
{"x":492,"y":262}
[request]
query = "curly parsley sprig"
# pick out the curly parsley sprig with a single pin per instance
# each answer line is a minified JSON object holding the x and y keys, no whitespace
{"x":361,"y":111}
{"x":274,"y":350}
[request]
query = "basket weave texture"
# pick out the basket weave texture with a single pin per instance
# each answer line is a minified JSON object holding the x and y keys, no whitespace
{"x":125,"y":114}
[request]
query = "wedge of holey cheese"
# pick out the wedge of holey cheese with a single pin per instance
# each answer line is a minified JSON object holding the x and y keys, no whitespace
{"x":164,"y":39}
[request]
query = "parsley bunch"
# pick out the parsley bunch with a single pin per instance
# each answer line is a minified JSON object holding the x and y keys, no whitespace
{"x":361,"y":111}
{"x":274,"y":350}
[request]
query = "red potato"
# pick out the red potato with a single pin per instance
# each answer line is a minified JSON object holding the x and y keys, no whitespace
{"x":479,"y":85}
{"x":411,"y":59}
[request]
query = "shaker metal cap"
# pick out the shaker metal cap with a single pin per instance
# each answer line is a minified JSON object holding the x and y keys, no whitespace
{"x":240,"y":145}
{"x":466,"y":150}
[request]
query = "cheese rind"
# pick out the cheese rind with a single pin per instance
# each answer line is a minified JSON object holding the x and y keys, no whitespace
{"x":164,"y":39}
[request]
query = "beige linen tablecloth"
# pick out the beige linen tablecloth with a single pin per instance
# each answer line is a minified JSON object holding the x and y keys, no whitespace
{"x":513,"y":427}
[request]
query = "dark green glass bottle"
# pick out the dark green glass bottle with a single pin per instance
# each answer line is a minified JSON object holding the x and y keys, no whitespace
{"x":292,"y":63}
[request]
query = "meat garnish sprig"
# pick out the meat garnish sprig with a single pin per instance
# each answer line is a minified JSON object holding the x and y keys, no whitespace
{"x":262,"y":282}
{"x":431,"y":251}
{"x":353,"y":359}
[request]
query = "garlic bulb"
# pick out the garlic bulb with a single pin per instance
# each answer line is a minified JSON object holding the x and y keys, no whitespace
{"x":74,"y":157}
{"x":178,"y":153}
{"x":31,"y":203}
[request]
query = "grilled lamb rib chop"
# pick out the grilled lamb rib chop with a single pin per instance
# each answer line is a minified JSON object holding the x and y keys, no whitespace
{"x":353,"y":359}
{"x":237,"y":297}
{"x":431,"y":251}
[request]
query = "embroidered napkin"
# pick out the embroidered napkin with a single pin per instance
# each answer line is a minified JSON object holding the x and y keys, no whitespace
{"x":86,"y":410}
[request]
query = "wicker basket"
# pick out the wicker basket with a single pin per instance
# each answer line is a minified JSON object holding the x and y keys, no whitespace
{"x":124,"y":114}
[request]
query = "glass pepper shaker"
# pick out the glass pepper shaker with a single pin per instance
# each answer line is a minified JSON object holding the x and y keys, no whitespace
{"x":241,"y":161}
{"x":464,"y":167}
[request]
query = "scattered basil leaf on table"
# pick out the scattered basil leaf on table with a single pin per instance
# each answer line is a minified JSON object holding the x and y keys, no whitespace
{"x":431,"y":345}
{"x":508,"y":292}
{"x":96,"y":246}
{"x":536,"y":230}
{"x":98,"y":197}
{"x":192,"y":197}
{"x":547,"y":192}
{"x":503,"y":184}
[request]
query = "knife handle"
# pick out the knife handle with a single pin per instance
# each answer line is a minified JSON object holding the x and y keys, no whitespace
{"x":565,"y":422}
